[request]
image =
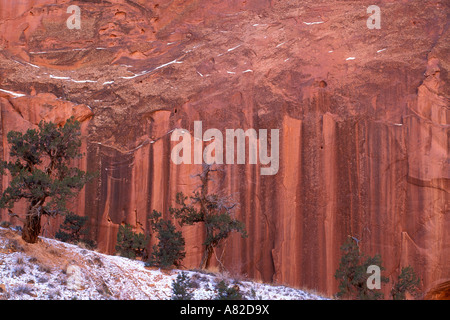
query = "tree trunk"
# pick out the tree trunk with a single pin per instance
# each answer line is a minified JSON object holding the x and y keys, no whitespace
{"x":206,"y":260}
{"x":31,"y":227}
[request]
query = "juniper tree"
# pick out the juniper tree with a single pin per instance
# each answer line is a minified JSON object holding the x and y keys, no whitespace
{"x":41,"y":173}
{"x":182,"y":287}
{"x":170,"y":248}
{"x":130,"y":244}
{"x":74,"y":230}
{"x":352,"y":273}
{"x":224,"y":292}
{"x":215,"y":212}
{"x":408,"y":281}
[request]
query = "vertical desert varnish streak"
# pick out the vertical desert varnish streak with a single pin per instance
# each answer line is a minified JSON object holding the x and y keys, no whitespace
{"x":214,"y":151}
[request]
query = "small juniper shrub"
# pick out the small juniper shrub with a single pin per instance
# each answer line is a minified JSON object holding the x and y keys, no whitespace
{"x":170,"y":248}
{"x":130,"y":244}
{"x":5,"y":224}
{"x":408,"y":281}
{"x":74,"y":230}
{"x":182,"y":287}
{"x":225,"y":292}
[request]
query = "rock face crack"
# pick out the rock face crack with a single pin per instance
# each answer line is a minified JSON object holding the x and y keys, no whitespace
{"x":439,"y":184}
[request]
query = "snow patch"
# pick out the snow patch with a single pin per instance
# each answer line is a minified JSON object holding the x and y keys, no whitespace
{"x":83,"y":81}
{"x":15,"y":94}
{"x":231,"y":49}
{"x":151,"y":70}
{"x":63,"y":271}
{"x":59,"y":78}
{"x":312,"y":23}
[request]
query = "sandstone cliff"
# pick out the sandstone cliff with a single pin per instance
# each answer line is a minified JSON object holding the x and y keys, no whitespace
{"x":363,"y":117}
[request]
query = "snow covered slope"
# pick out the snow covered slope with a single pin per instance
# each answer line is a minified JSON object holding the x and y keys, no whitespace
{"x":55,"y":270}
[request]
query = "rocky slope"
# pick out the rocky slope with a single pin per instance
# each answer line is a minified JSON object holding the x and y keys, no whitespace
{"x":363,"y":117}
{"x":59,"y":271}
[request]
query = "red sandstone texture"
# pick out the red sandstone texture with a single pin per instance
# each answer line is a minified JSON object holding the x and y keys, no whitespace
{"x":363,"y":117}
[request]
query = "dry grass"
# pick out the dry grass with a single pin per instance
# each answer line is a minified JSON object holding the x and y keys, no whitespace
{"x":19,"y":260}
{"x":23,"y":289}
{"x":18,"y":271}
{"x":44,"y":268}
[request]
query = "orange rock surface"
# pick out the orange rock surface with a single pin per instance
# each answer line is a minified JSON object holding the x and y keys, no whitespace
{"x":363,"y":117}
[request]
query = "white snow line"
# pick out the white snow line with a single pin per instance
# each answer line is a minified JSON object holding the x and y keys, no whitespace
{"x":398,"y":124}
{"x":256,"y":24}
{"x":231,"y":49}
{"x":131,"y":77}
{"x":285,"y":60}
{"x":33,"y":65}
{"x":381,"y":50}
{"x":59,"y":78}
{"x":15,"y":94}
{"x":200,"y":74}
{"x":17,"y":61}
{"x":100,"y":48}
{"x":30,"y":64}
{"x":279,"y":45}
{"x":148,"y":71}
{"x":83,"y":81}
{"x":166,"y":64}
{"x":73,"y":80}
{"x":330,"y":51}
{"x":108,"y":82}
{"x":169,"y":43}
{"x":248,"y":70}
{"x":312,"y":23}
{"x":231,"y":72}
{"x":350,"y":58}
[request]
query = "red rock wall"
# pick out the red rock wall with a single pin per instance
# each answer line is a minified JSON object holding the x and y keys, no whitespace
{"x":363,"y":143}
